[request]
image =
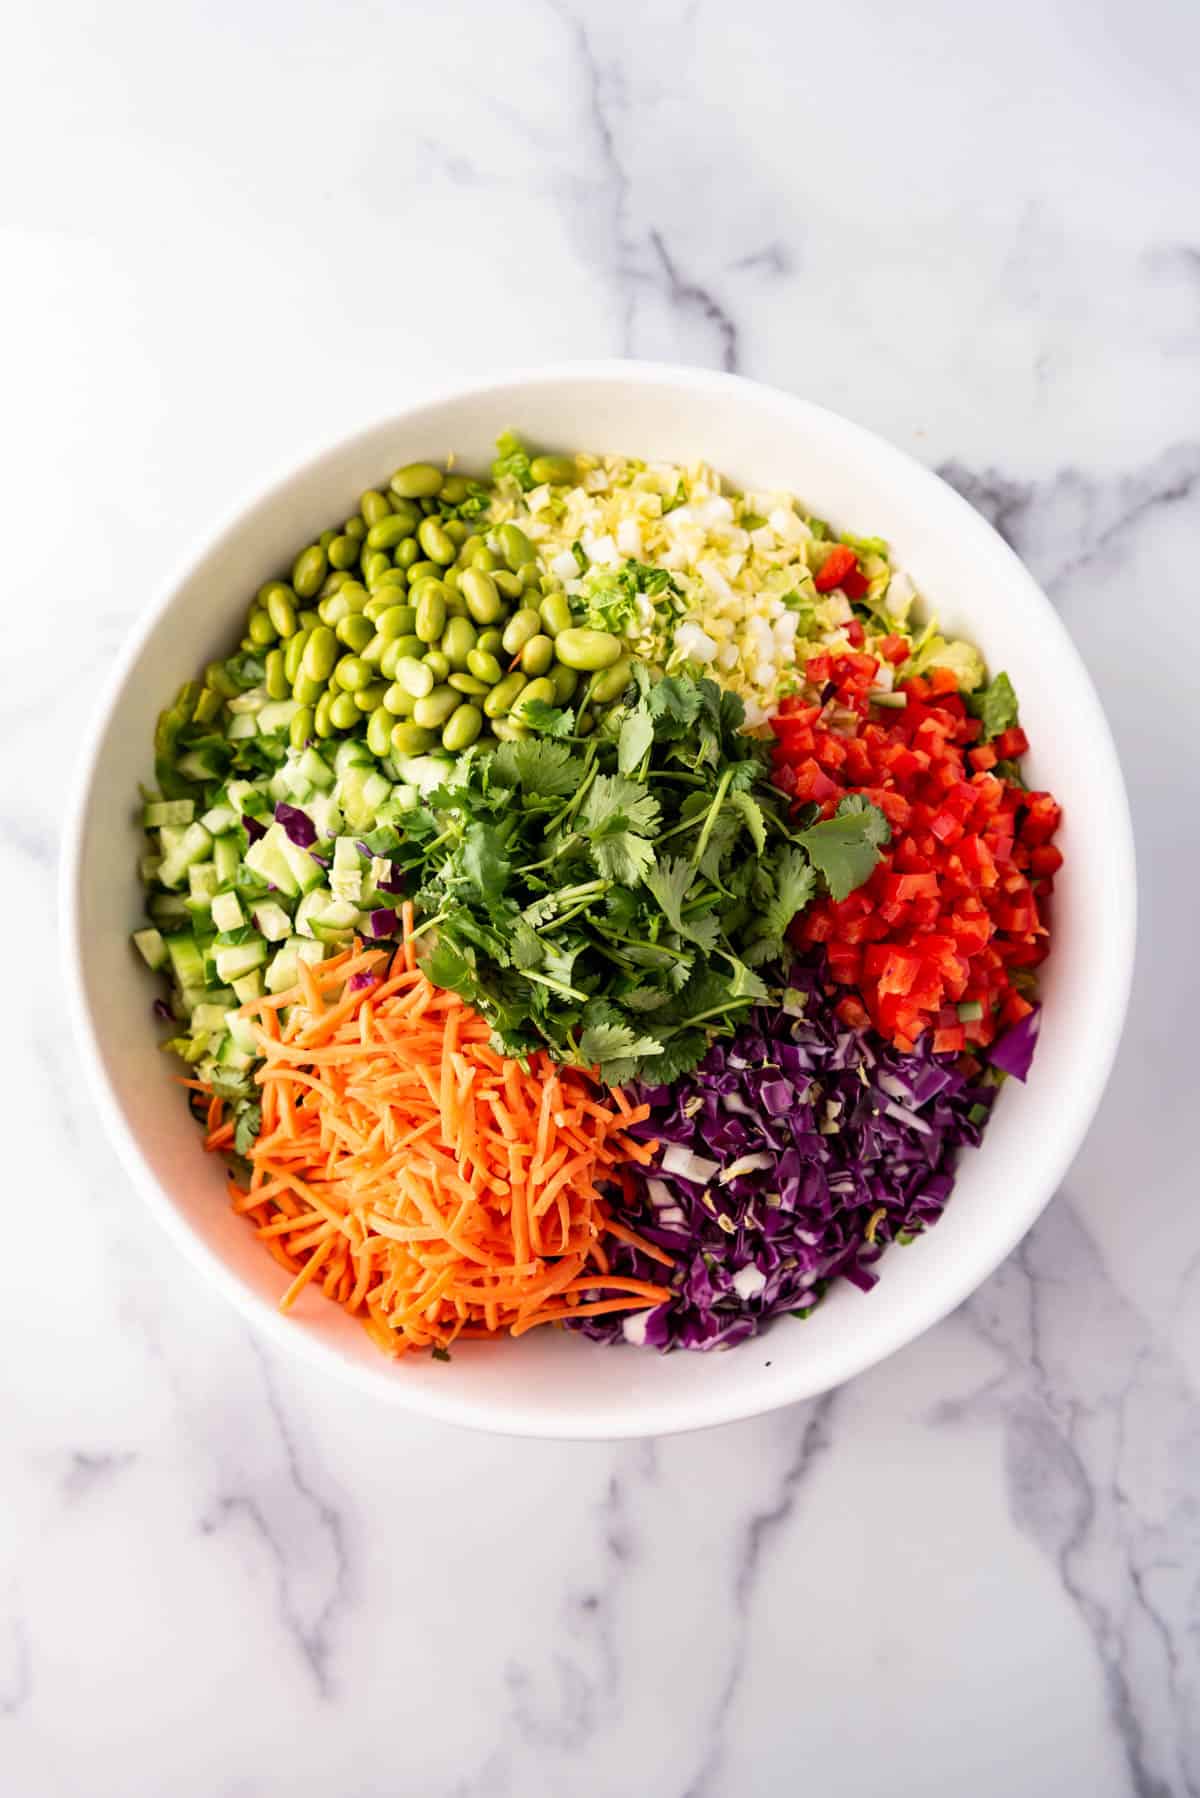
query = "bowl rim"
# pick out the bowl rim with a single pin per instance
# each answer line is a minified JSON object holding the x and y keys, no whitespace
{"x":454,"y":1405}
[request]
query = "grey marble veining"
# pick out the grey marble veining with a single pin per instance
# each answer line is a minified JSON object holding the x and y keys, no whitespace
{"x":229,"y":233}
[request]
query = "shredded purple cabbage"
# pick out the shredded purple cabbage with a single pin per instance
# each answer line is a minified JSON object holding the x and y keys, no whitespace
{"x":393,"y":880}
{"x":841,"y":1145}
{"x":1013,"y":1052}
{"x":162,"y":1010}
{"x":299,"y":826}
{"x":383,"y":922}
{"x":359,"y":982}
{"x":252,"y":827}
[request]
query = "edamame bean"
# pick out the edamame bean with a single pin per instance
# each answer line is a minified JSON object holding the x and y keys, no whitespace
{"x":332,"y":609}
{"x":301,"y":727}
{"x":333,"y":581}
{"x":422,"y":571}
{"x":611,"y":683}
{"x":344,"y":551}
{"x":415,"y":677}
{"x":325,"y":539}
{"x":368,"y":698}
{"x":417,"y":480}
{"x":320,"y":654}
{"x":491,"y":640}
{"x":467,"y":683}
{"x":462,"y":728}
{"x":407,"y":553}
{"x":515,"y":546}
{"x":277,"y":683}
{"x":396,"y":621}
{"x":306,"y":689}
{"x":521,"y":627}
{"x":509,"y":730}
{"x":281,"y":610}
{"x":412,"y":739}
{"x":343,"y":713}
{"x":479,"y":590}
{"x":373,"y":651}
{"x":565,"y":681}
{"x":390,"y":579}
{"x":434,"y":541}
{"x":457,"y":641}
{"x":584,"y":724}
{"x":450,"y":580}
{"x":468,"y":546}
{"x":292,"y":654}
{"x":308,"y":619}
{"x":355,"y":527}
{"x":555,"y":613}
{"x":508,"y":584}
{"x":588,"y":650}
{"x":537,"y":689}
{"x":355,"y":632}
{"x":433,"y":710}
{"x":483,"y":559}
{"x":263,"y":597}
{"x":538,"y":655}
{"x":457,"y":531}
{"x":375,"y":564}
{"x":484,"y":666}
{"x":411,"y":645}
{"x":558,"y":470}
{"x":322,"y":722}
{"x":433,"y":658}
{"x":260,"y":630}
{"x":454,"y":489}
{"x":352,"y":673}
{"x":387,"y":532}
{"x":431,"y":616}
{"x":208,"y":705}
{"x":309,"y":570}
{"x":374,"y":506}
{"x":398,"y":702}
{"x":379,"y":731}
{"x":503,"y":694}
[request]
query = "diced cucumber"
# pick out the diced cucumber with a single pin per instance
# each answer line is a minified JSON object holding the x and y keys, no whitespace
{"x":316,"y":769}
{"x":298,"y":787}
{"x":240,"y":727}
{"x":199,"y":914}
{"x":277,"y":788}
{"x":272,"y":921}
{"x":241,"y":1030}
{"x":227,"y":911}
{"x":310,"y":951}
{"x":167,"y":910}
{"x":237,"y":793}
{"x":248,"y":704}
{"x":168,"y":811}
{"x":187,"y":960}
{"x":346,"y":856}
{"x":277,"y":714}
{"x":203,"y":880}
{"x":422,"y":771}
{"x":361,"y":790}
{"x":310,"y":907}
{"x":267,"y":858}
{"x":191,"y":996}
{"x":209,"y":1018}
{"x":338,"y":920}
{"x":201,"y":764}
{"x":218,"y":819}
{"x":248,"y":986}
{"x":194,"y":847}
{"x":234,"y":1059}
{"x":170,"y":837}
{"x":352,"y":751}
{"x":281,"y":972}
{"x":148,"y":868}
{"x":226,"y":857}
{"x":325,"y":813}
{"x":306,"y":872}
{"x":240,"y":958}
{"x":151,"y":948}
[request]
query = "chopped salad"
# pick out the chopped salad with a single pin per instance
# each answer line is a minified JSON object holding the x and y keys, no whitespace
{"x":592,"y":895}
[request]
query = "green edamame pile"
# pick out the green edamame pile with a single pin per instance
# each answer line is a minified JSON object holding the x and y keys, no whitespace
{"x":415,"y":624}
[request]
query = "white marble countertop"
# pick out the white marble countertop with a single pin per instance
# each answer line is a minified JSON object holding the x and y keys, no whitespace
{"x":232,"y":231}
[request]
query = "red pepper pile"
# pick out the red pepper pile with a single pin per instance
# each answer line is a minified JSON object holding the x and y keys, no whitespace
{"x":957,"y":904}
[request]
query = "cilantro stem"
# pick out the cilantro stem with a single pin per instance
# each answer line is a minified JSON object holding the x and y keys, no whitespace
{"x":556,"y":986}
{"x":428,"y":924}
{"x":710,"y":820}
{"x":716,"y":1011}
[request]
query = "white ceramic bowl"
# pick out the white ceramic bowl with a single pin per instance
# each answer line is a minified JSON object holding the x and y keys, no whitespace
{"x":551,"y":1384}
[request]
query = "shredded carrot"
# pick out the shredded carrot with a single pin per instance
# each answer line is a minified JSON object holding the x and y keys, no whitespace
{"x":416,"y":1177}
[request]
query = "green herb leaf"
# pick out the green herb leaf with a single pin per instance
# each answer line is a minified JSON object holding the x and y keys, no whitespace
{"x":996,"y":705}
{"x":249,"y":1123}
{"x":845,"y":848}
{"x":635,"y":738}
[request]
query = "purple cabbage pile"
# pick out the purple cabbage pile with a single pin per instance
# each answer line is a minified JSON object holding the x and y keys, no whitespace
{"x":794,"y":1154}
